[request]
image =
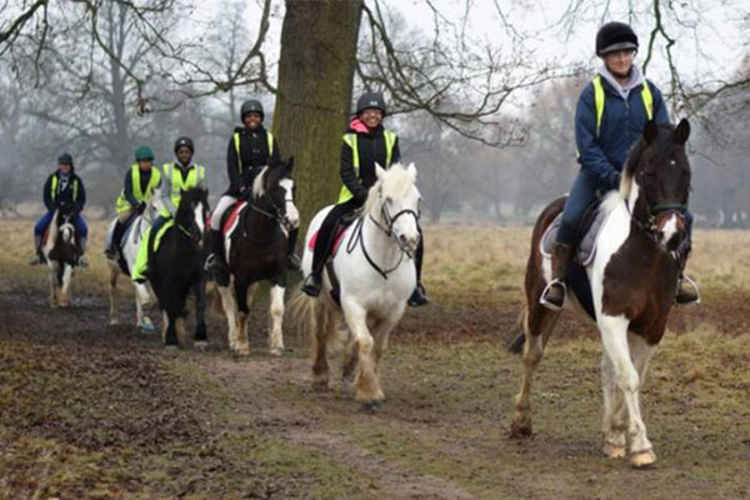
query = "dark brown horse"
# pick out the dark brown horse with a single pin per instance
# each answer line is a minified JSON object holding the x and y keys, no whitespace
{"x":256,"y":250}
{"x":629,"y":285}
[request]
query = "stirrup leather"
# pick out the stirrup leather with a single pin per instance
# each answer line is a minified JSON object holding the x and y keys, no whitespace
{"x":543,"y":298}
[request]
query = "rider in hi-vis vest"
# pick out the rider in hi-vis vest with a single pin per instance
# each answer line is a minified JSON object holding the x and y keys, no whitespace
{"x":63,"y":188}
{"x":250,"y":148}
{"x":141,"y":181}
{"x":365,"y":143}
{"x":177,"y":176}
{"x":611,"y":115}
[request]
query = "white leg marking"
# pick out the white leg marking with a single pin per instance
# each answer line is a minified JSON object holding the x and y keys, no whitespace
{"x":276,"y":337}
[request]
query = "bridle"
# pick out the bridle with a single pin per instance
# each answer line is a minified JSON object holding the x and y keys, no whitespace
{"x":357,"y":238}
{"x":276,"y":212}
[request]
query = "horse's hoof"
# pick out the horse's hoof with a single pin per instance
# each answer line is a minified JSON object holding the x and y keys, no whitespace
{"x":642,"y":459}
{"x":114,"y":322}
{"x":372,"y":406}
{"x":612,"y":450}
{"x":520,"y":429}
{"x":320,"y":386}
{"x":171,"y":347}
{"x":276,"y":351}
{"x":146,"y":329}
{"x":201,"y":345}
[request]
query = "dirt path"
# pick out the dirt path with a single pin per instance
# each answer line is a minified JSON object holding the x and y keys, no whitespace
{"x":96,"y":410}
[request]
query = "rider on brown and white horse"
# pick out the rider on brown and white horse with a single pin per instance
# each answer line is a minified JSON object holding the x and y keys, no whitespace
{"x":611,"y":115}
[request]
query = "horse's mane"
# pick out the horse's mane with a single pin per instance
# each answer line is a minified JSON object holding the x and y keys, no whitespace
{"x":662,"y":140}
{"x":258,"y":189}
{"x":394,"y":182}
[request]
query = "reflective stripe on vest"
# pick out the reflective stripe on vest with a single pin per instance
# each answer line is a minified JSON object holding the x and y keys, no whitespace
{"x":195,"y":175}
{"x":351,"y":140}
{"x":53,"y":188}
{"x":269,"y":138}
{"x":646,"y":97}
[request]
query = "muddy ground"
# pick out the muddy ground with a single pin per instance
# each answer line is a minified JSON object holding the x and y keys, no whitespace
{"x":89,"y":410}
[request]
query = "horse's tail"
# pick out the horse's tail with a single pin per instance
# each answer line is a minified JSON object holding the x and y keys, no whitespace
{"x":310,"y":316}
{"x":516,"y":347}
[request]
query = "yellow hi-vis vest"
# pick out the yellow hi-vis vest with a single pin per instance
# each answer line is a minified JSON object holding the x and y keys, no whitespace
{"x":53,"y":188}
{"x":648,"y":100}
{"x":269,"y":137}
{"x":141,"y":194}
{"x":351,"y":139}
{"x":195,"y":175}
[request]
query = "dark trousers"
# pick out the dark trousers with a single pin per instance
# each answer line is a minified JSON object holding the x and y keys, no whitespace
{"x":324,"y":242}
{"x":582,"y":194}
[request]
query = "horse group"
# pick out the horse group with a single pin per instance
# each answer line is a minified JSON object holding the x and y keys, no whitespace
{"x":627,"y":288}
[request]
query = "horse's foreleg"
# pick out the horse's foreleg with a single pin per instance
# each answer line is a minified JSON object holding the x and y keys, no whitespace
{"x":170,"y":333}
{"x":275,"y":337}
{"x":381,"y":332}
{"x":52,"y":286}
{"x":537,"y":322}
{"x":199,"y":289}
{"x":615,"y":341}
{"x":243,"y":322}
{"x":65,"y":297}
{"x":368,"y":386}
{"x":613,"y":415}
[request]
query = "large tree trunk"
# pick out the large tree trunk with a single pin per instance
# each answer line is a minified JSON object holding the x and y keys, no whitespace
{"x":316,"y":70}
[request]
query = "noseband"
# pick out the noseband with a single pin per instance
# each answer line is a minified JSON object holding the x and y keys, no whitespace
{"x":649,"y":226}
{"x":276,"y":213}
{"x":390,"y":221}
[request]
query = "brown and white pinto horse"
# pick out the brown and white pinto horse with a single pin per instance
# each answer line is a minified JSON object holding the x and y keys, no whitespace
{"x":632,"y":279}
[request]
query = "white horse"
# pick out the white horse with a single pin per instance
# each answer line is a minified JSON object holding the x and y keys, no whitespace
{"x":144,"y":295}
{"x":376,"y":276}
{"x":60,"y":252}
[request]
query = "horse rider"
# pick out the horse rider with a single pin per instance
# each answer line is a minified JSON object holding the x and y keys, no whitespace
{"x":141,"y":181}
{"x":365,"y":143}
{"x":250,"y":148}
{"x":63,"y":188}
{"x":611,"y":115}
{"x":177,"y":176}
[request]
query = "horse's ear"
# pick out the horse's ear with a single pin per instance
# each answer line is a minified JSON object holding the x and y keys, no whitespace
{"x":651,"y":131}
{"x":682,"y":132}
{"x":379,"y":171}
{"x":412,"y":171}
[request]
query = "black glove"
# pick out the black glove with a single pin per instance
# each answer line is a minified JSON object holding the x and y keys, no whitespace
{"x":360,"y":195}
{"x":140,"y":208}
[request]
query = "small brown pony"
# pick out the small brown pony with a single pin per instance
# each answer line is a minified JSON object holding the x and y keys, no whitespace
{"x":631,"y":283}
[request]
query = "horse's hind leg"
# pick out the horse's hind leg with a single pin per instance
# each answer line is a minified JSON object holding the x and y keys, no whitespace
{"x":114,"y":318}
{"x":199,"y":338}
{"x":243,"y":321}
{"x":229,"y":304}
{"x":537,"y":322}
{"x":322,"y":330}
{"x":52,"y":287}
{"x":276,"y":336}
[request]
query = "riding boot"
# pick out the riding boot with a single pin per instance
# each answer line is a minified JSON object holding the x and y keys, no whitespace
{"x":292,"y":260}
{"x":82,"y":261}
{"x":419,"y":295}
{"x":39,"y":255}
{"x":215,"y":261}
{"x":313,"y":282}
{"x":553,"y":296}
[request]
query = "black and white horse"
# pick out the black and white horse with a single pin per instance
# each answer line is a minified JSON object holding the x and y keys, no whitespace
{"x":256,"y":250}
{"x":176,"y":267}
{"x":629,"y":285}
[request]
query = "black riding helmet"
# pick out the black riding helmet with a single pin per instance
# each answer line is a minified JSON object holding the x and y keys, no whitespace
{"x":184,"y":141}
{"x":65,"y":159}
{"x":371,"y":100}
{"x":252,"y":106}
{"x":615,"y":36}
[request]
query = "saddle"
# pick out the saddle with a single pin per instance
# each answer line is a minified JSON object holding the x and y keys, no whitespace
{"x":588,"y":230}
{"x":343,"y":223}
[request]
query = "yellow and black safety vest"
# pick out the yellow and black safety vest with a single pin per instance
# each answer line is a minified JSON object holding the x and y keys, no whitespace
{"x":142,"y":195}
{"x":648,"y":101}
{"x":351,"y":139}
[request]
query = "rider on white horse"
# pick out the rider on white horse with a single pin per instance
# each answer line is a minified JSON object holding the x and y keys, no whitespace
{"x":141,"y":180}
{"x":365,"y":144}
{"x":611,"y":115}
{"x":250,"y":148}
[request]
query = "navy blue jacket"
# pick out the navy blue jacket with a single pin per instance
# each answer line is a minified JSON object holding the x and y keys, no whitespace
{"x":67,"y":194}
{"x":622,"y":124}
